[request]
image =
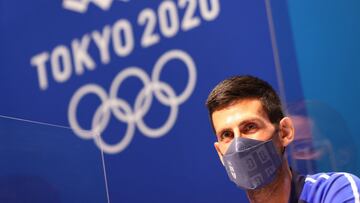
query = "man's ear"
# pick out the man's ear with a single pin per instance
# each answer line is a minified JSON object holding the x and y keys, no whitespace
{"x":216,"y":145}
{"x":287,"y":131}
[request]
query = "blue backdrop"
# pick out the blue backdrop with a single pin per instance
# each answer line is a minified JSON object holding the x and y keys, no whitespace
{"x":103,"y":101}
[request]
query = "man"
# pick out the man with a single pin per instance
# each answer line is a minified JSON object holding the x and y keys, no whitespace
{"x":252,"y":135}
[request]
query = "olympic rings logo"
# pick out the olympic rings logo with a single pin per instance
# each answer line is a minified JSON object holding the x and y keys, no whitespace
{"x":121,"y":109}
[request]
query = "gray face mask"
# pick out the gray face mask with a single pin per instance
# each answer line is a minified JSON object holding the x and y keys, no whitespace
{"x":250,"y":163}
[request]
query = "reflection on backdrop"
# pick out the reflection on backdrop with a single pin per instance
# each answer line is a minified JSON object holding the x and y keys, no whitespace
{"x":323,"y":142}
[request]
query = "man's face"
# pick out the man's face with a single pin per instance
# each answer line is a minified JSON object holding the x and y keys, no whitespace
{"x":245,"y":118}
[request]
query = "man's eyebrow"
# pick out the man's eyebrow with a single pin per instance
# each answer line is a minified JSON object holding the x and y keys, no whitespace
{"x":245,"y":121}
{"x":252,"y":119}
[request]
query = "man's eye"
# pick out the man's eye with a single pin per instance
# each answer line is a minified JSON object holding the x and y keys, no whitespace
{"x":250,"y":128}
{"x":226,"y":135}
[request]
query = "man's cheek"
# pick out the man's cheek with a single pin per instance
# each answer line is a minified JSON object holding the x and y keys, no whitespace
{"x":225,"y":148}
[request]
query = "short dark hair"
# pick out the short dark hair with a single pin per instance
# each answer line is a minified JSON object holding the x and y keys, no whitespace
{"x":237,"y":88}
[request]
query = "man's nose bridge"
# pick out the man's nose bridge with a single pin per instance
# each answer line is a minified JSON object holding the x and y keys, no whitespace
{"x":237,"y":132}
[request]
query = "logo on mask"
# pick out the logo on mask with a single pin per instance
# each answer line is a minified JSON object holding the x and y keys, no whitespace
{"x":232,"y":170}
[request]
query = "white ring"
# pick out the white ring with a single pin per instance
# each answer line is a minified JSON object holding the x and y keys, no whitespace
{"x":159,"y":65}
{"x":130,"y":131}
{"x":74,"y":102}
{"x":131,"y":71}
{"x":161,"y":131}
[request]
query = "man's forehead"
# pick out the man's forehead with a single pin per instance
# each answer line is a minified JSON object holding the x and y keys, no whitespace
{"x":245,"y":108}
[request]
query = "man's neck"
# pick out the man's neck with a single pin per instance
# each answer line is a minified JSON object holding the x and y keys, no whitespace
{"x":278,"y":191}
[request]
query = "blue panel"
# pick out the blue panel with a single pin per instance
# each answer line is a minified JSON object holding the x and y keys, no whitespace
{"x":42,"y":163}
{"x":131,"y":78}
{"x":328,"y":46}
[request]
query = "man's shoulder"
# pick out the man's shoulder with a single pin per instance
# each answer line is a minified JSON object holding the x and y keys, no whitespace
{"x":331,"y":187}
